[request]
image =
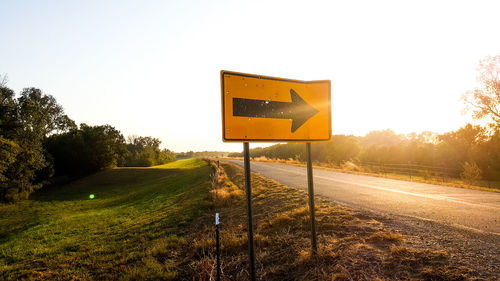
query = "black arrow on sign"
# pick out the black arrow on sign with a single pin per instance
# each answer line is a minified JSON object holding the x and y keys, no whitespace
{"x":297,"y":110}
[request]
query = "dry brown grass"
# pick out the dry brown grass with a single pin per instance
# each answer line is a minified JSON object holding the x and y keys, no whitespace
{"x":352,"y":246}
{"x":272,"y":160}
{"x":224,"y":192}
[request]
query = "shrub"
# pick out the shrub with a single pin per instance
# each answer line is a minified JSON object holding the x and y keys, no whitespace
{"x":349,"y":166}
{"x":471,"y":172}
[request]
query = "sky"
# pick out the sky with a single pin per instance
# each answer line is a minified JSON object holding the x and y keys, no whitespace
{"x":152,"y":68}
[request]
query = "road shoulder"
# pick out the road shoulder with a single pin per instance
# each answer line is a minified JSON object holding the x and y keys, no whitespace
{"x":353,"y":245}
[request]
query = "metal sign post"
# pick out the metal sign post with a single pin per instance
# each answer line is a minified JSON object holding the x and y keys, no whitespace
{"x":271,"y":109}
{"x":310,"y":186}
{"x":248,"y":187}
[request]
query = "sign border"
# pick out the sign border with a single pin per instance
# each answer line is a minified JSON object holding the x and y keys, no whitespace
{"x":275,"y":79}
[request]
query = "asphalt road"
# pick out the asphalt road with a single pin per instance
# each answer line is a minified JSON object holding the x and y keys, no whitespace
{"x":464,"y":208}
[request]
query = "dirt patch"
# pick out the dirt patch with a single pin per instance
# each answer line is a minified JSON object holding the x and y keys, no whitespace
{"x":465,"y":248}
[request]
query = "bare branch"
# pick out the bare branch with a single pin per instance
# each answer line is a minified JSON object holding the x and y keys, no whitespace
{"x":3,"y":80}
{"x":485,"y":100}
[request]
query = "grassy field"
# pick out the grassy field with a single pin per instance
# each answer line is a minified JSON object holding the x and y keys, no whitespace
{"x":131,"y":230}
{"x":157,"y":224}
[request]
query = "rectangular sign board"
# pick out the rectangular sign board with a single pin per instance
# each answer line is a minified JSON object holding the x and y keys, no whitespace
{"x":258,"y":108}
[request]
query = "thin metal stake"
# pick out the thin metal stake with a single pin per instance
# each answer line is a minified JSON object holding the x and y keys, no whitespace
{"x":248,"y":187}
{"x":217,"y":244}
{"x":310,"y":186}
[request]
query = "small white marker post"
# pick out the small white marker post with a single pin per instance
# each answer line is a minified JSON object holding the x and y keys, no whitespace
{"x":217,"y":245}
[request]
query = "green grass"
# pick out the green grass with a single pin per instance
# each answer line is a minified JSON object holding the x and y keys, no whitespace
{"x":131,"y":230}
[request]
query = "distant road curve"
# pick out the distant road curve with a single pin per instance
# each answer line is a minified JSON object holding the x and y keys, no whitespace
{"x":465,"y":208}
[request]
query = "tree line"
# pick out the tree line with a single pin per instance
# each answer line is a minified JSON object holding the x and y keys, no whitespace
{"x":200,"y":154}
{"x":40,"y":144}
{"x":470,"y":147}
{"x":472,"y":151}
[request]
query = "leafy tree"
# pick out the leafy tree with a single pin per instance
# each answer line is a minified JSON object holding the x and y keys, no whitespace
{"x":485,"y":99}
{"x":40,"y":115}
{"x":471,"y":173}
{"x":145,"y":152}
{"x":183,"y":155}
{"x":68,"y":153}
{"x":382,"y":137}
{"x":341,"y":149}
{"x":104,"y":146}
{"x":9,"y":122}
{"x":464,"y":141}
{"x":8,"y":153}
{"x":488,"y":156}
{"x":86,"y":150}
{"x":166,"y":156}
{"x":26,"y":122}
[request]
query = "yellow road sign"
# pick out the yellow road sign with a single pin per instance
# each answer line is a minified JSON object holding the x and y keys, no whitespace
{"x":268,"y":109}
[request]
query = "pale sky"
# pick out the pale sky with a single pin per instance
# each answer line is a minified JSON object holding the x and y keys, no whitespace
{"x":152,"y":68}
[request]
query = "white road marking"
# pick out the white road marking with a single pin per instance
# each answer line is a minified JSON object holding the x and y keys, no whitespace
{"x":430,"y":196}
